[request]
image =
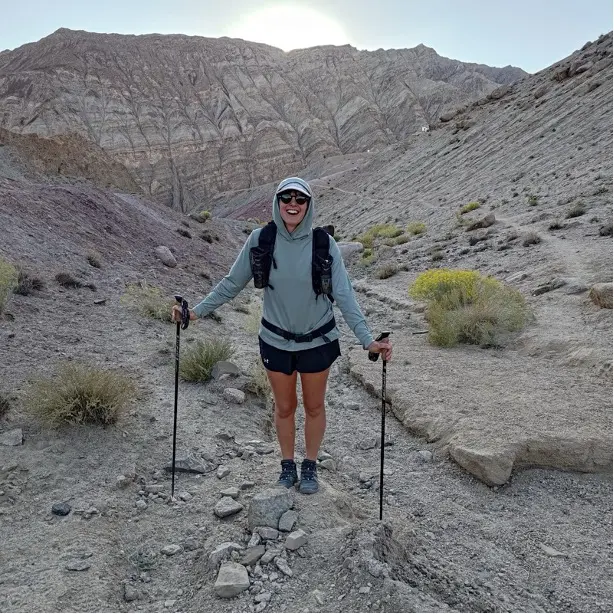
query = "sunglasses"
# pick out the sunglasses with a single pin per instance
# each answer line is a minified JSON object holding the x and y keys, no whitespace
{"x":299,"y":199}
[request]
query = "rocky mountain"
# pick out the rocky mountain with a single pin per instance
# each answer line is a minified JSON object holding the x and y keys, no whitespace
{"x":190,"y":117}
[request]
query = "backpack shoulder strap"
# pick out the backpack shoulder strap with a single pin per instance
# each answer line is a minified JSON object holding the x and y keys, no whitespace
{"x":267,"y":235}
{"x":321,"y":263}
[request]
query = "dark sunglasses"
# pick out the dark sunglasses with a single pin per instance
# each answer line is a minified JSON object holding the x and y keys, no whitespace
{"x":299,"y":199}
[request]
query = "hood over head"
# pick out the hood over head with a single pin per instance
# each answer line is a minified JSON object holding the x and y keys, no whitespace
{"x":305,"y":227}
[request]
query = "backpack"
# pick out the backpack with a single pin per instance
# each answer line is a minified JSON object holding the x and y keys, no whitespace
{"x":261,"y":258}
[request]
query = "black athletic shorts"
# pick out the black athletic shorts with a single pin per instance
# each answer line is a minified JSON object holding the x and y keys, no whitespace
{"x":313,"y":360}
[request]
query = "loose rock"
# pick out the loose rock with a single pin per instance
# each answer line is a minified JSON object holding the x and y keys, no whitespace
{"x":227,"y":506}
{"x":60,"y":509}
{"x":222,"y":552}
{"x":233,"y":395}
{"x":288,"y":520}
{"x":171,"y":549}
{"x":232,"y":579}
{"x":296,"y":539}
{"x":267,"y":506}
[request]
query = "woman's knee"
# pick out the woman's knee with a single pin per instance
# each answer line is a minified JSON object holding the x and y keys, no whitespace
{"x":286,"y":408}
{"x":313,"y":410}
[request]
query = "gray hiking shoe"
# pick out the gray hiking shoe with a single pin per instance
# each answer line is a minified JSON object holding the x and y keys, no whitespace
{"x":309,"y":478}
{"x":288,"y":476}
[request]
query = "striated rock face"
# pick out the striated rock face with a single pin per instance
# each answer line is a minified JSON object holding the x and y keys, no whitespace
{"x":191,"y":117}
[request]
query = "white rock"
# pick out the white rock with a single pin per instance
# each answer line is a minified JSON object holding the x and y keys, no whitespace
{"x":233,"y":395}
{"x":288,"y":520}
{"x":226,"y":506}
{"x":232,"y":579}
{"x":232,"y":492}
{"x":296,"y":539}
{"x":222,"y":472}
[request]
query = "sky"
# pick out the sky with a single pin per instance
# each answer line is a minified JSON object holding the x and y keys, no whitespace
{"x":531,"y":34}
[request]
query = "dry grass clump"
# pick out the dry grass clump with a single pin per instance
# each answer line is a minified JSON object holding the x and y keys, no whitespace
{"x":27,"y":283}
{"x":8,"y":282}
{"x":368,"y":257}
{"x":80,"y":394}
{"x":386,"y":271}
{"x":259,"y":382}
{"x":196,"y":364}
{"x":416,"y":228}
{"x":386,"y":231}
{"x":184,"y":233}
{"x":470,"y":207}
{"x":148,"y":301}
{"x":467,"y":307}
{"x":576,"y":211}
{"x":95,"y":259}
{"x":531,"y":238}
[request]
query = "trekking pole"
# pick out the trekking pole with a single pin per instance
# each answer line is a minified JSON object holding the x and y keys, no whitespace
{"x":185,"y":320}
{"x":374,"y":356}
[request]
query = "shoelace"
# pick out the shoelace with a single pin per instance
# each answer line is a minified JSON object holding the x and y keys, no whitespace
{"x":308,"y":472}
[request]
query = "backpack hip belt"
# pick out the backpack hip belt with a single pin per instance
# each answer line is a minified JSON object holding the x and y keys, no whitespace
{"x":318,"y":332}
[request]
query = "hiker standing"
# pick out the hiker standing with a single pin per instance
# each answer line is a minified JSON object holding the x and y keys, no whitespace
{"x":298,"y":332}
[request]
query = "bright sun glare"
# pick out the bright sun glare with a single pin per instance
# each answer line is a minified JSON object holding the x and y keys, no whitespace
{"x":287,"y":26}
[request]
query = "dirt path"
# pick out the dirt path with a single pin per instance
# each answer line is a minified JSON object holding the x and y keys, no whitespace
{"x":455,"y":543}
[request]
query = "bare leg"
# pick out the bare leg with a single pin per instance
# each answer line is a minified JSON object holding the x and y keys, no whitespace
{"x":314,"y":392}
{"x":284,"y":393}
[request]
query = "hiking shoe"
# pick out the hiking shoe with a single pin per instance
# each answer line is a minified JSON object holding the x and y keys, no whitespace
{"x":288,"y":476}
{"x":309,"y":478}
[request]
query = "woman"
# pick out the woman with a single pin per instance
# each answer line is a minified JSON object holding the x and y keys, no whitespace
{"x":291,"y":310}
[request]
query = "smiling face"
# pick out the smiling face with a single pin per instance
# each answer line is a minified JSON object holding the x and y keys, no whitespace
{"x":292,"y":207}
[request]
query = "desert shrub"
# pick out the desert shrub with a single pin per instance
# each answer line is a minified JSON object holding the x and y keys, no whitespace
{"x":386,"y":271}
{"x":27,"y":283}
{"x":94,"y":259}
{"x":8,"y":282}
{"x":367,"y":257}
{"x":401,"y":239}
{"x":258,"y":383}
{"x":416,"y":228}
{"x":576,"y":211}
{"x":556,"y":225}
{"x":148,"y":301}
{"x":68,"y":281}
{"x":207,"y":236}
{"x":469,"y":207}
{"x":198,"y":360}
{"x":80,"y":394}
{"x":184,"y":233}
{"x":387,"y":231}
{"x":436,"y":255}
{"x":531,"y":238}
{"x":466,"y":307}
{"x":532,"y":200}
{"x":205,"y":215}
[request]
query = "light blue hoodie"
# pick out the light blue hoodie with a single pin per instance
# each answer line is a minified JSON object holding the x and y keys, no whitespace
{"x":292,"y":304}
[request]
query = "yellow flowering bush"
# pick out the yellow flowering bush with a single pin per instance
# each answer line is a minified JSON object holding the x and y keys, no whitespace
{"x":467,"y":307}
